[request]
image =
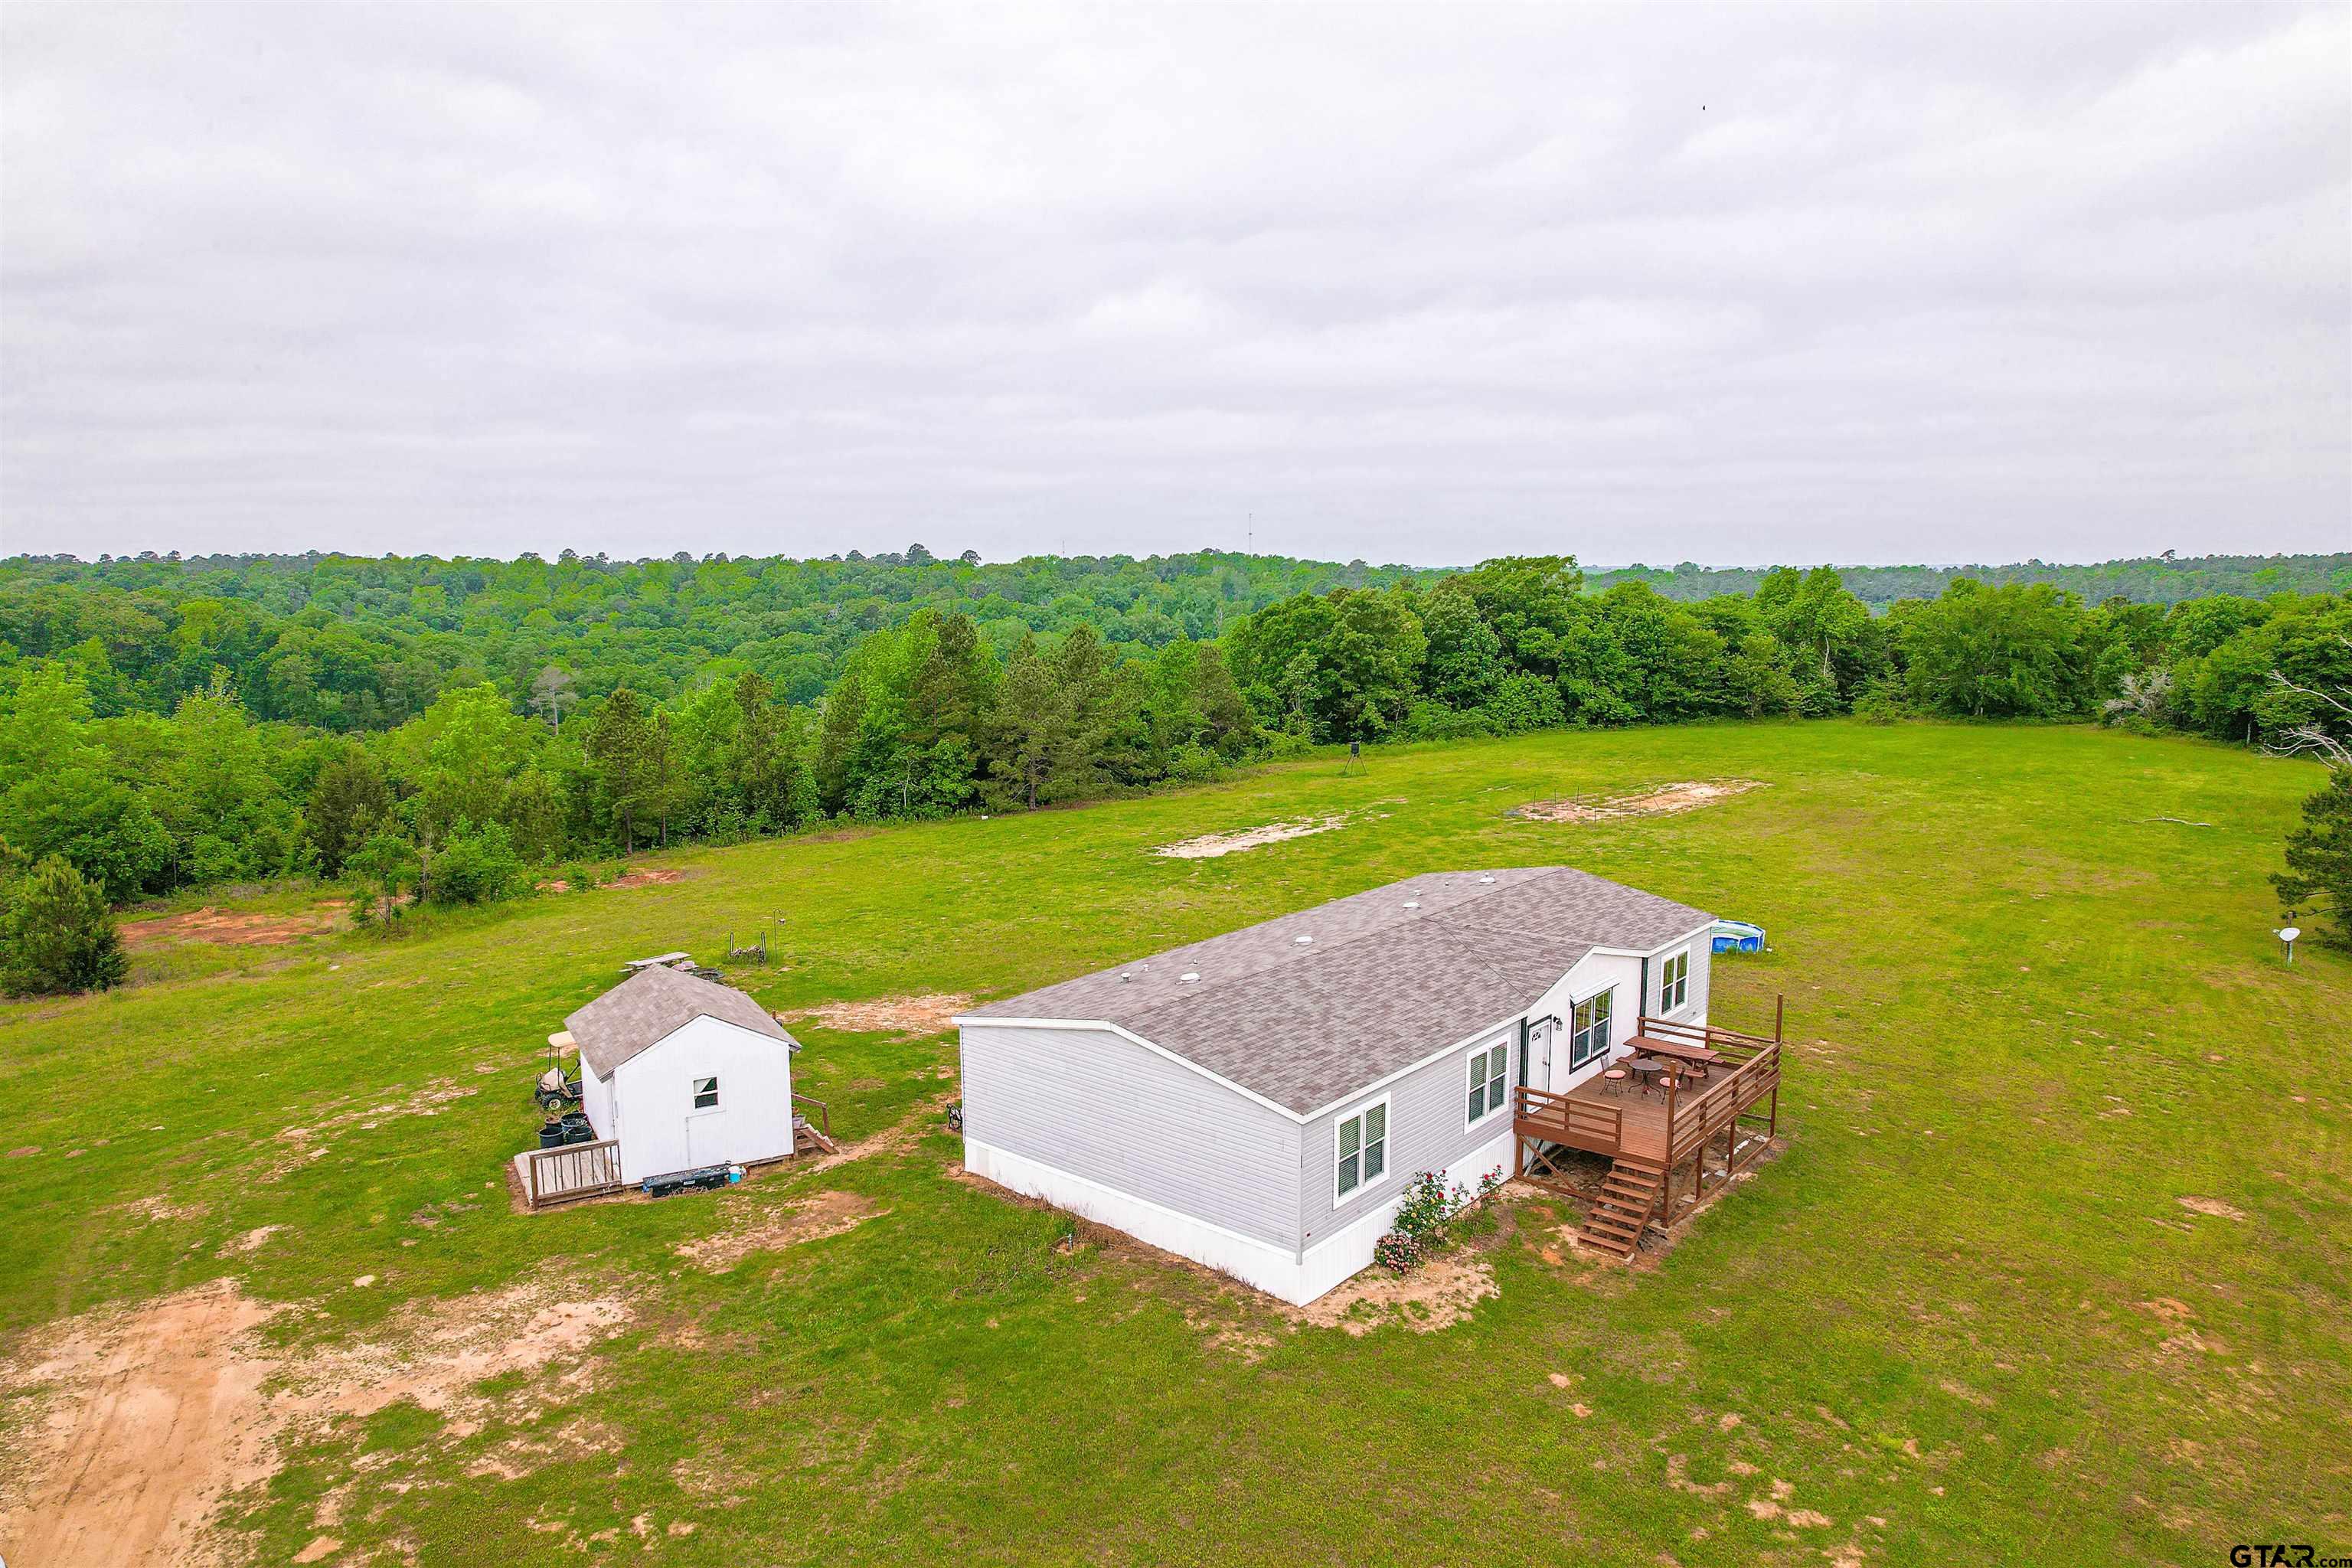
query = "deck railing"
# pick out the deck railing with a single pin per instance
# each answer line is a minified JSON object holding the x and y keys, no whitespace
{"x":824,"y":1114}
{"x":1579,"y":1123}
{"x":1692,"y":1120}
{"x":572,"y":1171}
{"x":1693,"y":1116}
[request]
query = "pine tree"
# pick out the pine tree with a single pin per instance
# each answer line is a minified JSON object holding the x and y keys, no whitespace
{"x":57,"y":934}
{"x":2318,"y":875}
{"x":620,"y":746}
{"x":845,"y":716}
{"x":1032,"y":715}
{"x":348,"y":802}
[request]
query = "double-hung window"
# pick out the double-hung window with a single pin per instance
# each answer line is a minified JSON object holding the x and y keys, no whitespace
{"x":1487,"y":1080}
{"x":706,"y":1093}
{"x":1673,"y":982}
{"x":1363,"y":1148}
{"x":1587,"y":1040}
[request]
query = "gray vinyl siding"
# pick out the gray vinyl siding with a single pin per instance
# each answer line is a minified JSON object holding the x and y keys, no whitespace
{"x":1099,"y":1106}
{"x":1427,"y":1109}
{"x":1701,"y":952}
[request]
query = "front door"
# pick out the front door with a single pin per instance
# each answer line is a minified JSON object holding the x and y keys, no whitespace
{"x":1535,"y":1056}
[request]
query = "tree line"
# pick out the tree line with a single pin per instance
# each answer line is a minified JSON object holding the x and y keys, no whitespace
{"x":493,"y":786}
{"x":2166,"y":579}
{"x":355,"y":645}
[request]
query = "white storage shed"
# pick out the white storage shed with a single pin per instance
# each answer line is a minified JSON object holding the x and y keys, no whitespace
{"x":683,"y":1072}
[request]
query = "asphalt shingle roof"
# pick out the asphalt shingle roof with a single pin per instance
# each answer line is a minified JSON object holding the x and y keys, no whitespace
{"x":653,"y":1004}
{"x":1390,"y":977}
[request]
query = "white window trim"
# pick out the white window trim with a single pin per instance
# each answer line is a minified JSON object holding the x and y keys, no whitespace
{"x":693,"y":1079}
{"x":1665,"y":1010}
{"x":1492,"y":1112}
{"x":1607,"y":1052}
{"x":1341,"y":1200}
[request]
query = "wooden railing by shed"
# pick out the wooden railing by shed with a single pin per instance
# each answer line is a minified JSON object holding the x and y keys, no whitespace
{"x":819,"y":1132}
{"x":572,"y":1171}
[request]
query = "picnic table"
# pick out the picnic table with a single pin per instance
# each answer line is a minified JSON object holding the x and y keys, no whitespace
{"x":1675,"y":1051}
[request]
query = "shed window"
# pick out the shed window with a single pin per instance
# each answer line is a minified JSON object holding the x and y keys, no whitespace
{"x":706,"y":1093}
{"x":1486,"y":1074}
{"x":1589,"y":1039}
{"x":1673,"y":982}
{"x":1363,"y":1147}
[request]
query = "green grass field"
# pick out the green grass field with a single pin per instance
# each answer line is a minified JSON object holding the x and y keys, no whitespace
{"x":1966,"y":1318}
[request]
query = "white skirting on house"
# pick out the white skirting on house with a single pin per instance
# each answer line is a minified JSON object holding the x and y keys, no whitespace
{"x":1276,"y":1270}
{"x":1272,"y":1270}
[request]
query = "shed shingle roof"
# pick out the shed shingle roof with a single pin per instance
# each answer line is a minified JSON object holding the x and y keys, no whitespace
{"x":653,"y":1004}
{"x":1390,"y":977}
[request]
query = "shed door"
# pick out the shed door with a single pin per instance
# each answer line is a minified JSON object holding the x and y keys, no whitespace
{"x":706,"y":1140}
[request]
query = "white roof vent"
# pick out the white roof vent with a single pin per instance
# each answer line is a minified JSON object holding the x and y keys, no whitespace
{"x":1187,"y":978}
{"x":1303,"y":940}
{"x":1412,"y":903}
{"x":1485,"y":878}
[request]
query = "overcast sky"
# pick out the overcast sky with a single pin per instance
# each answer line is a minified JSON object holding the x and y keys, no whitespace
{"x":1422,"y":284}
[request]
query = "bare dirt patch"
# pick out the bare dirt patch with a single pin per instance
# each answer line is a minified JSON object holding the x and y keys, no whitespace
{"x":222,"y":928}
{"x":1667,"y":800}
{"x":648,"y":877}
{"x":518,"y":1457}
{"x":251,"y":1241}
{"x":300,"y":1145}
{"x":829,"y":1213}
{"x":152,"y":1415}
{"x":1437,"y":1295}
{"x":1209,"y":845}
{"x":435,"y":1352}
{"x":2213,"y":1207}
{"x":909,"y":1018}
{"x":924,"y":1119}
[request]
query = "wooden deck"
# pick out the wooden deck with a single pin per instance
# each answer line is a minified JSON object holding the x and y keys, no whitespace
{"x":1651,"y":1135}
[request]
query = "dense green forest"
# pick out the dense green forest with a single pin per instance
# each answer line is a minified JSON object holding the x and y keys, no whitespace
{"x":2148,"y":580}
{"x":345,"y":643}
{"x":350,"y":643}
{"x":453,"y":730}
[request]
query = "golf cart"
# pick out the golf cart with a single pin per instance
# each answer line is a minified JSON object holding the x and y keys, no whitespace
{"x":553,"y":1090}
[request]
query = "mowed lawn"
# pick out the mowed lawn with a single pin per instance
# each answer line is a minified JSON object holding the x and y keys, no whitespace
{"x":1965,"y":1318}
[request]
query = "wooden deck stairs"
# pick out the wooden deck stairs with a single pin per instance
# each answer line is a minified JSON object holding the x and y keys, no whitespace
{"x":810,"y":1137}
{"x":1629,"y":1197}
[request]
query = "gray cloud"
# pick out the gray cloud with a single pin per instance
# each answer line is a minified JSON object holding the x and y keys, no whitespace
{"x":1411,"y":284}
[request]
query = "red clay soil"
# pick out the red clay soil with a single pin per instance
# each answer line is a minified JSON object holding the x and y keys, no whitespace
{"x":224,"y":929}
{"x":647,"y":878}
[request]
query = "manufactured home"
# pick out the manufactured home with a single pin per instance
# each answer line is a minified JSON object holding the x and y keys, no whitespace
{"x":1257,"y":1101}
